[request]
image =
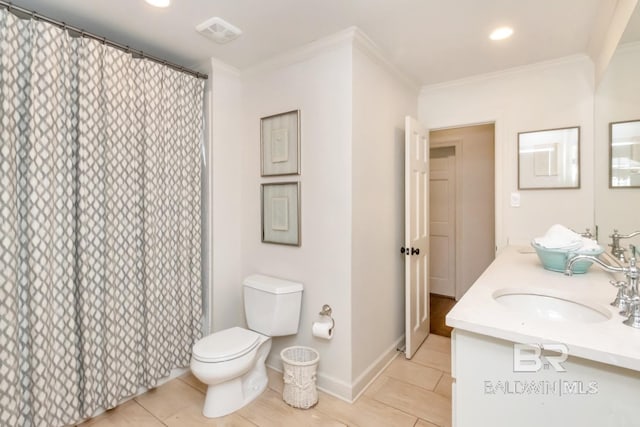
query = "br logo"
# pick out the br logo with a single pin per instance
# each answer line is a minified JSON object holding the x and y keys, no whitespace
{"x":530,"y":357}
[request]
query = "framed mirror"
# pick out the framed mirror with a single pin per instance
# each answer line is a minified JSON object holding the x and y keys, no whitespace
{"x":624,"y":154}
{"x":549,"y":159}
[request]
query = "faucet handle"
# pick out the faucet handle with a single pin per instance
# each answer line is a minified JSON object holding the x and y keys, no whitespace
{"x":587,"y":233}
{"x":620,"y":284}
{"x":634,"y":313}
{"x":622,"y":298}
{"x":616,"y":250}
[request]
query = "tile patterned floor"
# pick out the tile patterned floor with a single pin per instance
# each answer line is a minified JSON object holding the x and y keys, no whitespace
{"x":409,"y":393}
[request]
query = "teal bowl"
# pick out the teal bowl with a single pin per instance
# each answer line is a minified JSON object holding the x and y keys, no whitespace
{"x":556,"y":259}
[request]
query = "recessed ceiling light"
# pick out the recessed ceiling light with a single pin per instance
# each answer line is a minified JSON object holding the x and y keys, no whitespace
{"x":501,"y":33}
{"x":158,"y":3}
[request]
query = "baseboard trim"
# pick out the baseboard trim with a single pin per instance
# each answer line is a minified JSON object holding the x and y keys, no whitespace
{"x":325,"y":383}
{"x":365,"y":379}
{"x":343,"y":390}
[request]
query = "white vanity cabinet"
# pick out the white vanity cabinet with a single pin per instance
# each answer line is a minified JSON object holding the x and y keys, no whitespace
{"x":498,"y":379}
{"x":488,"y":391}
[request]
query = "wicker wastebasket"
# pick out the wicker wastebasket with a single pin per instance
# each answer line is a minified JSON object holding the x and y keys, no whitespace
{"x":300,"y":367}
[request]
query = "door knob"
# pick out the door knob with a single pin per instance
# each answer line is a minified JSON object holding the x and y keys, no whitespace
{"x":410,"y":251}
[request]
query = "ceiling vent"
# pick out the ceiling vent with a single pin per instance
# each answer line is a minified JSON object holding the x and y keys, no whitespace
{"x":219,"y":30}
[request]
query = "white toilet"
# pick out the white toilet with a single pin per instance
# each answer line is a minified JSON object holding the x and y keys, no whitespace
{"x":232,"y":362}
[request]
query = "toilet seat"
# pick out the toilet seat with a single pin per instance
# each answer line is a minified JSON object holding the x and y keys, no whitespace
{"x":226,"y":345}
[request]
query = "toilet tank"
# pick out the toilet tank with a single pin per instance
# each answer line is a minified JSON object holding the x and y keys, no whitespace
{"x":272,"y":305}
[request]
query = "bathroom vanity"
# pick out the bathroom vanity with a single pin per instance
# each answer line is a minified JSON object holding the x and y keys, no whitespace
{"x":533,"y":347}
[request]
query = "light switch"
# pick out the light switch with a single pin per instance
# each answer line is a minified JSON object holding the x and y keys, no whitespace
{"x":515,"y":200}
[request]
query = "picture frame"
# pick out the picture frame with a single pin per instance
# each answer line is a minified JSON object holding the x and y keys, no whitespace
{"x":624,"y":154}
{"x":549,"y":159}
{"x":280,"y":144}
{"x":280,"y":203}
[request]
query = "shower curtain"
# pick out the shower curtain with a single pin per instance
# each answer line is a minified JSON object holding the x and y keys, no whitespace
{"x":100,"y":289}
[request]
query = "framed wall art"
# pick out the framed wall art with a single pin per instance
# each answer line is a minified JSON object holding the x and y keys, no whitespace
{"x":280,"y":144}
{"x":549,"y":159}
{"x":281,"y":213}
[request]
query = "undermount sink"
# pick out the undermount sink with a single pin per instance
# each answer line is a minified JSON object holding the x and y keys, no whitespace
{"x":549,"y":307}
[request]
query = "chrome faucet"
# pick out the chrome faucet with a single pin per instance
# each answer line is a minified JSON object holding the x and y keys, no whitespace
{"x":587,"y":234}
{"x":628,"y":298}
{"x":616,"y":250}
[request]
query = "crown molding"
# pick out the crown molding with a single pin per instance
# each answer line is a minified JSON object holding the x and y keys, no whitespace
{"x":363,"y":43}
{"x":628,"y":47}
{"x":352,"y":36}
{"x":303,"y":53}
{"x":537,"y":66}
{"x":217,"y":65}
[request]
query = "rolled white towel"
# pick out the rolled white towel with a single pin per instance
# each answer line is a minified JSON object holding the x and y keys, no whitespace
{"x":560,"y":237}
{"x":589,"y":245}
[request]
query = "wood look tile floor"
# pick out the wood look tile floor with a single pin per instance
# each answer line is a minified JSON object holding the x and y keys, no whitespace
{"x":409,"y":393}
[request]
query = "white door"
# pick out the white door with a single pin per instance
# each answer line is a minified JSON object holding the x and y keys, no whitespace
{"x":442,"y":221}
{"x":416,"y":235}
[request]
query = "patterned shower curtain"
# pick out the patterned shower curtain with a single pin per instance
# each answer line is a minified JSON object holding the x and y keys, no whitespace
{"x":100,"y":289}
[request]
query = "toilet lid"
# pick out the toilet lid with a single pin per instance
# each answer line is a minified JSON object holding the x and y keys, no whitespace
{"x":225,"y":345}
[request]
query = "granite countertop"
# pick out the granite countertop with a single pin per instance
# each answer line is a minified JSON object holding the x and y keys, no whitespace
{"x":518,"y":268}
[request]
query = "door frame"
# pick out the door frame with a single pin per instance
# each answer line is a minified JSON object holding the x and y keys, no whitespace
{"x":496,"y":118}
{"x":457,"y":146}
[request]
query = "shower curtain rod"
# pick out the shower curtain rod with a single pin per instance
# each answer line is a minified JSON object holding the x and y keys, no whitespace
{"x":35,"y":15}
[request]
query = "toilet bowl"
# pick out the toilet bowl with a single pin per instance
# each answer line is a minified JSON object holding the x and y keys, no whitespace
{"x":231,"y":362}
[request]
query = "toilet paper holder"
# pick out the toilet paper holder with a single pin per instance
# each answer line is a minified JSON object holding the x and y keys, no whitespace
{"x":326,"y":311}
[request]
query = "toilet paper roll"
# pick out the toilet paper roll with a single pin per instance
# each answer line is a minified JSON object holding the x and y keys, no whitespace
{"x":323,"y":328}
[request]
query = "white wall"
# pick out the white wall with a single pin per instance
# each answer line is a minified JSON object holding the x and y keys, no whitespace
{"x":225,"y":196}
{"x":617,"y":99}
{"x":320,"y":86}
{"x":542,"y":96}
{"x":381,"y":100}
